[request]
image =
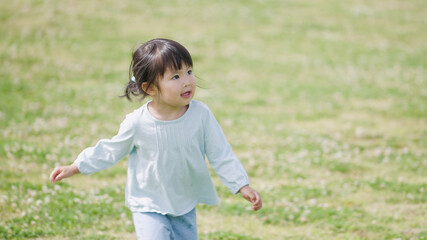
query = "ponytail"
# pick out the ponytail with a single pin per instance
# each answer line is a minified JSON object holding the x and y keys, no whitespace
{"x":131,"y":89}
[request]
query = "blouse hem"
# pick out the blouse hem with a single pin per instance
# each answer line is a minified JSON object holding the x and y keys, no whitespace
{"x":181,"y":213}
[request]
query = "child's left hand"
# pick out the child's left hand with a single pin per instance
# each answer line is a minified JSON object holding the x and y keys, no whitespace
{"x":252,"y":196}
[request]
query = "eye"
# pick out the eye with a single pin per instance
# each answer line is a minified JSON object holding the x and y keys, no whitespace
{"x":175,"y":77}
{"x":190,"y":72}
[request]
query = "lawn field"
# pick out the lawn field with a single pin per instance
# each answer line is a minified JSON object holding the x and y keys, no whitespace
{"x":324,"y":102}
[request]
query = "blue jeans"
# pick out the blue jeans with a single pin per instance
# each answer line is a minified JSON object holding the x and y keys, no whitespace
{"x":165,"y":227}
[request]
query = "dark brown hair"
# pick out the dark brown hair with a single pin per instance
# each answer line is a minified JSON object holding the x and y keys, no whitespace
{"x":151,"y":60}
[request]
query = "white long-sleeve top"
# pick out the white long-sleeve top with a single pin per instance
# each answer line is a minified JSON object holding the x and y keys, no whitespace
{"x":167,"y":171}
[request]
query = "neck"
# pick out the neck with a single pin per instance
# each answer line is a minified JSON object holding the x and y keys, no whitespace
{"x":166,"y":113}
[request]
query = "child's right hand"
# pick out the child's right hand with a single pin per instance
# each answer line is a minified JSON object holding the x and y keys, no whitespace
{"x":62,"y":172}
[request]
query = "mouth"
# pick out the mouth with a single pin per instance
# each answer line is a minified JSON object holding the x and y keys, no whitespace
{"x":186,"y":94}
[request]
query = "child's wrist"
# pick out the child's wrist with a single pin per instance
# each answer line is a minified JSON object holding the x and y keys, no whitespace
{"x":244,"y":187}
{"x":74,"y":169}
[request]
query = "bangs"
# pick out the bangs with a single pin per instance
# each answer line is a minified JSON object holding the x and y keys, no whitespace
{"x":170,"y":56}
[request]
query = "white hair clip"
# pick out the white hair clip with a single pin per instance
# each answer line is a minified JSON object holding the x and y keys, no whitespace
{"x":133,"y":79}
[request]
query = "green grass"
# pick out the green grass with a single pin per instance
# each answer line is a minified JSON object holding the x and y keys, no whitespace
{"x":324,"y":102}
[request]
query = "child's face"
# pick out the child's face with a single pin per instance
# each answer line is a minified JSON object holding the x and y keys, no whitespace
{"x":177,"y":88}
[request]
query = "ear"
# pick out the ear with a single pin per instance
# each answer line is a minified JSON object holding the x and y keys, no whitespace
{"x":151,"y":90}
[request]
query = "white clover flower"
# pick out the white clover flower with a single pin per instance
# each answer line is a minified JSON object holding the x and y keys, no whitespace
{"x":303,"y":218}
{"x":359,"y":132}
{"x":312,"y":202}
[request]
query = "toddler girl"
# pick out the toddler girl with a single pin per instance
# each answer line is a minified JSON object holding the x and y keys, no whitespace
{"x":167,"y":140}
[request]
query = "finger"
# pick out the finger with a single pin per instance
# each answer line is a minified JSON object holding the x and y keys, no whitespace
{"x":60,"y":176}
{"x":54,"y":173}
{"x":257,"y":204}
{"x":255,"y":197}
{"x":250,"y":198}
{"x":257,"y":207}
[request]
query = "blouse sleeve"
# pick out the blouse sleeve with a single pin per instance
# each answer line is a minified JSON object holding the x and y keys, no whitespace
{"x":107,"y":152}
{"x":221,"y":157}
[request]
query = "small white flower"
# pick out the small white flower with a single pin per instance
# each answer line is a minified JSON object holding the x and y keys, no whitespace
{"x":303,"y":219}
{"x":359,"y":132}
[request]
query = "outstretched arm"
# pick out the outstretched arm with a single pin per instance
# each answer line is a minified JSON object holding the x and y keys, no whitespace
{"x":252,"y":196}
{"x":62,"y":172}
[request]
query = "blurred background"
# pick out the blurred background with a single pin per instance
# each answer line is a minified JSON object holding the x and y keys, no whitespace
{"x":324,"y":102}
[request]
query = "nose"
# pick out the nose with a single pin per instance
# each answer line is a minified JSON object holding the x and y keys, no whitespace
{"x":187,"y":81}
